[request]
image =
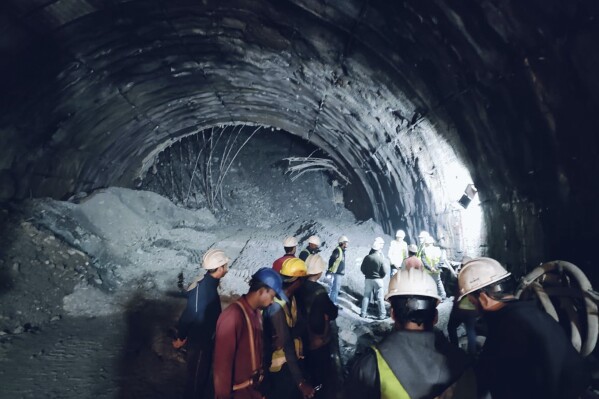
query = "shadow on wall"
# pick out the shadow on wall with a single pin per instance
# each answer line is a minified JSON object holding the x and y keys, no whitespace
{"x":149,"y":367}
{"x":7,"y":237}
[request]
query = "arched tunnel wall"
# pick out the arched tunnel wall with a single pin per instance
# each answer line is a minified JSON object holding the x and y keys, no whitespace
{"x":393,"y":92}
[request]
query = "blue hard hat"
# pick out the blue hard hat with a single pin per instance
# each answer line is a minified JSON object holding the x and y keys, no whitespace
{"x":273,"y":279}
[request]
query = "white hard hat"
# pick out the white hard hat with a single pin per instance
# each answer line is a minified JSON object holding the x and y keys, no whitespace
{"x":429,"y":240}
{"x":314,"y":240}
{"x":400,"y":233}
{"x":479,"y":273}
{"x":214,"y":258}
{"x":378,"y":244}
{"x":343,"y":239}
{"x":423,"y":234}
{"x":413,"y":248}
{"x":411,"y":283}
{"x":289,"y":242}
{"x":315,"y":264}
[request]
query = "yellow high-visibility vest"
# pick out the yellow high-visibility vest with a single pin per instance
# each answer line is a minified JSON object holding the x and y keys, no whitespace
{"x":278,"y":356}
{"x":391,"y":388}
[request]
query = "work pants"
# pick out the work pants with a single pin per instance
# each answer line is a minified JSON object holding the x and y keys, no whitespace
{"x":335,"y":287}
{"x":199,"y":383}
{"x":440,"y":287}
{"x":319,"y":363}
{"x":373,"y":286}
{"x":280,"y":385}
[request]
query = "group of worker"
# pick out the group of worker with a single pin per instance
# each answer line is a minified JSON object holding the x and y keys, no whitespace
{"x":425,"y":256}
{"x":275,"y":341}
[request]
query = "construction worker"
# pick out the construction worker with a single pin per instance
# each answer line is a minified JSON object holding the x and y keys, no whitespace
{"x":398,"y":251}
{"x":412,"y":261}
{"x":238,"y":370}
{"x":526,"y":353}
{"x":290,"y":246}
{"x":373,"y":268}
{"x":414,"y":361}
{"x":312,"y":248}
{"x":336,"y":269}
{"x":319,"y":311}
{"x":431,"y":256}
{"x":284,"y":328}
{"x":421,"y":240}
{"x":198,"y":323}
{"x":463,"y":312}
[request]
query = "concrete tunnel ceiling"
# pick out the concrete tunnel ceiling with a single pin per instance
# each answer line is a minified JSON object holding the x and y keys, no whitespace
{"x":412,"y":99}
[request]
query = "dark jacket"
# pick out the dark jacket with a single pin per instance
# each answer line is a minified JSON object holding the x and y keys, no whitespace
{"x":315,"y":304}
{"x":198,"y":321}
{"x":424,"y":362}
{"x":278,"y":334}
{"x":303,"y":255}
{"x":337,"y":261}
{"x":373,"y":265}
{"x":527,"y":355}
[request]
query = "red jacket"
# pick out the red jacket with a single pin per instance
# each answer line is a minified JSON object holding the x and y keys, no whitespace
{"x":232,"y":354}
{"x":278,"y":264}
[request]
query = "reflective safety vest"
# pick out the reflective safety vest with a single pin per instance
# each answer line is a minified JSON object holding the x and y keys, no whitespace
{"x":278,"y":356}
{"x":391,"y":388}
{"x":432,"y":255}
{"x":335,"y":266}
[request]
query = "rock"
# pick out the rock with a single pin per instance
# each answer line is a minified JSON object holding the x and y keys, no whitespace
{"x":98,"y":281}
{"x":16,"y":267}
{"x":18,"y":330}
{"x":55,"y":318}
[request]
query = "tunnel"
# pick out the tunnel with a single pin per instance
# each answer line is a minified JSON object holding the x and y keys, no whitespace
{"x":396,"y":110}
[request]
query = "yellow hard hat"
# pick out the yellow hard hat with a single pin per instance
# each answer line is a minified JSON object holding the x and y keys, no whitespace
{"x":294,"y":267}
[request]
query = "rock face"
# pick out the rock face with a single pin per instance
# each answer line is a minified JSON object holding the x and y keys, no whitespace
{"x":396,"y":93}
{"x":91,"y":288}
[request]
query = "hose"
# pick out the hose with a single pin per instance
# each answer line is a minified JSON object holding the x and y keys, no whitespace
{"x":589,"y":296}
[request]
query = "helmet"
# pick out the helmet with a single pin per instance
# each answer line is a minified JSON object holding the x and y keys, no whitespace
{"x":378,"y":244}
{"x":214,"y":258}
{"x":413,"y":282}
{"x":423,"y":234}
{"x":272,"y":279}
{"x":343,"y":239}
{"x":294,"y":267}
{"x":314,"y":240}
{"x":429,"y":240}
{"x":290,"y":242}
{"x":400,"y":234}
{"x":413,"y":248}
{"x":479,"y":273}
{"x":315,"y":264}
